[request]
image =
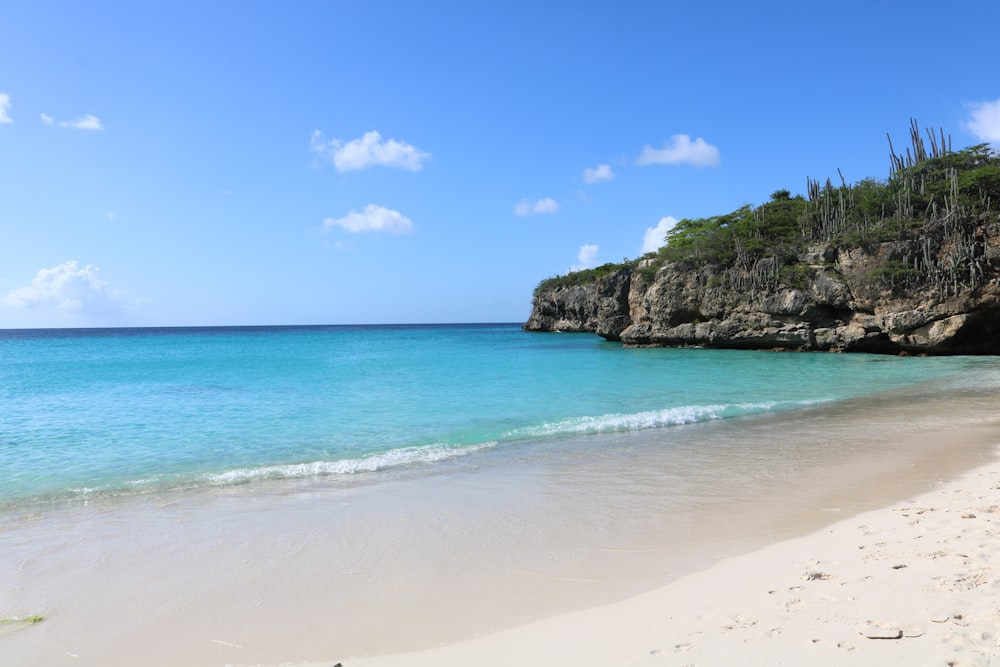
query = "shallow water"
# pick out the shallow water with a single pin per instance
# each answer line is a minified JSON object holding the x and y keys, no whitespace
{"x":107,"y":412}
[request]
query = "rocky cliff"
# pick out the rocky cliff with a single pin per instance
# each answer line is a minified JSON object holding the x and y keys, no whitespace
{"x":841,"y":299}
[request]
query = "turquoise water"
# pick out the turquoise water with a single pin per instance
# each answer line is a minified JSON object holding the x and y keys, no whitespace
{"x":108,"y":412}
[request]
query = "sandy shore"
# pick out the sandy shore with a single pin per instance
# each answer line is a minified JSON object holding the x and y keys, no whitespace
{"x":912,"y":584}
{"x":675,"y":547}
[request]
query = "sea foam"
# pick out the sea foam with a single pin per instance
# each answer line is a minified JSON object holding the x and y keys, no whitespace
{"x":677,"y":416}
{"x":395,"y":458}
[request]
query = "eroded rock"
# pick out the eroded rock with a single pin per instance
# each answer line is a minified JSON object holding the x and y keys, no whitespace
{"x":835,"y":305}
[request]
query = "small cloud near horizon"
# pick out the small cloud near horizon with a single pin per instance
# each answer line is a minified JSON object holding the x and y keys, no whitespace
{"x":70,"y":288}
{"x":5,"y":118}
{"x":656,"y":237}
{"x":539,"y":206}
{"x":586,"y":256}
{"x":370,"y":150}
{"x":374,"y":218}
{"x":985,"y":121}
{"x":681,"y":150}
{"x":598,"y":174}
{"x":88,"y":122}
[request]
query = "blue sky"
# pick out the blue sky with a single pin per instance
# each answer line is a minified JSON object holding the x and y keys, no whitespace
{"x":222,"y":163}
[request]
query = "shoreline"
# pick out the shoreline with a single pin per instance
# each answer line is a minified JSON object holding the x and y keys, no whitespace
{"x":291,"y":574}
{"x":914,"y":583}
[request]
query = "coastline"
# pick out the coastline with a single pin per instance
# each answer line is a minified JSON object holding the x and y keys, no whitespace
{"x":504,"y":541}
{"x":914,"y":583}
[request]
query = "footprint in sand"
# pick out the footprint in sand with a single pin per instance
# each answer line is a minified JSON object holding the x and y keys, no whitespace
{"x":846,"y":646}
{"x":965,"y":582}
{"x":739,"y":623}
{"x":788,"y":603}
{"x":792,"y":589}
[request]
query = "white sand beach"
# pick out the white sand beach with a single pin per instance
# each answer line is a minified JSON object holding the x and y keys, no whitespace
{"x":912,"y":584}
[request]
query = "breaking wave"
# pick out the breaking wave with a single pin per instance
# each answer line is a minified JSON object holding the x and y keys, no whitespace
{"x":394,"y":458}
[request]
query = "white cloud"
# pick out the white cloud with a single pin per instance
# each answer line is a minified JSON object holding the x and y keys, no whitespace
{"x":69,"y":288}
{"x":372,"y":219}
{"x":681,"y":150}
{"x":585,"y":257}
{"x":655,"y":237}
{"x":985,"y":121}
{"x":529,"y":207}
{"x":88,"y":122}
{"x":4,"y":106}
{"x":370,"y":150}
{"x":598,"y":174}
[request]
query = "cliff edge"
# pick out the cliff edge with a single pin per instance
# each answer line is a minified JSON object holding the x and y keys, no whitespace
{"x":838,"y":299}
{"x":906,"y":265}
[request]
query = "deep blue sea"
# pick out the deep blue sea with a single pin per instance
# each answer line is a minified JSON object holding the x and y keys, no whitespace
{"x":119,"y":411}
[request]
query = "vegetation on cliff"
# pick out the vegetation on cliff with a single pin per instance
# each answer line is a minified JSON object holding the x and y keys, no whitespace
{"x":932,"y":194}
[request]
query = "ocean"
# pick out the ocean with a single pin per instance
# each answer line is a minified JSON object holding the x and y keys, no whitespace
{"x":88,"y":413}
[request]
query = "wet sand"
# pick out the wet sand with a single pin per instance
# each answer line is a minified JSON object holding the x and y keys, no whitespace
{"x":471,"y":553}
{"x":914,"y":584}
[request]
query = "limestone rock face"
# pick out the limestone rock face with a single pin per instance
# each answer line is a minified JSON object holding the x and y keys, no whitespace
{"x":832,"y":302}
{"x":602,"y":307}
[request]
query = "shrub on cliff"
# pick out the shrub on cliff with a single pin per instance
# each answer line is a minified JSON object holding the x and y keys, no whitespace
{"x":931,"y":190}
{"x":583,"y":276}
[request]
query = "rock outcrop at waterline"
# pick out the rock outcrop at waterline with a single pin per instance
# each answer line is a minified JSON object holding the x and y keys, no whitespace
{"x":839,"y":299}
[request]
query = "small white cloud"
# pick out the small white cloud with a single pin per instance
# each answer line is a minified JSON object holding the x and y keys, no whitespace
{"x":111,"y":216}
{"x":5,"y":119}
{"x":985,"y":121}
{"x":680,"y":150}
{"x":655,"y":237}
{"x":69,"y":288}
{"x":372,"y":219}
{"x":585,"y":257}
{"x":529,"y":207}
{"x":88,"y":122}
{"x":598,"y":174}
{"x":368,"y":151}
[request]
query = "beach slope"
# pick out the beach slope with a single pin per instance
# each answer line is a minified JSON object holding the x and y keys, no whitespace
{"x":915,"y":583}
